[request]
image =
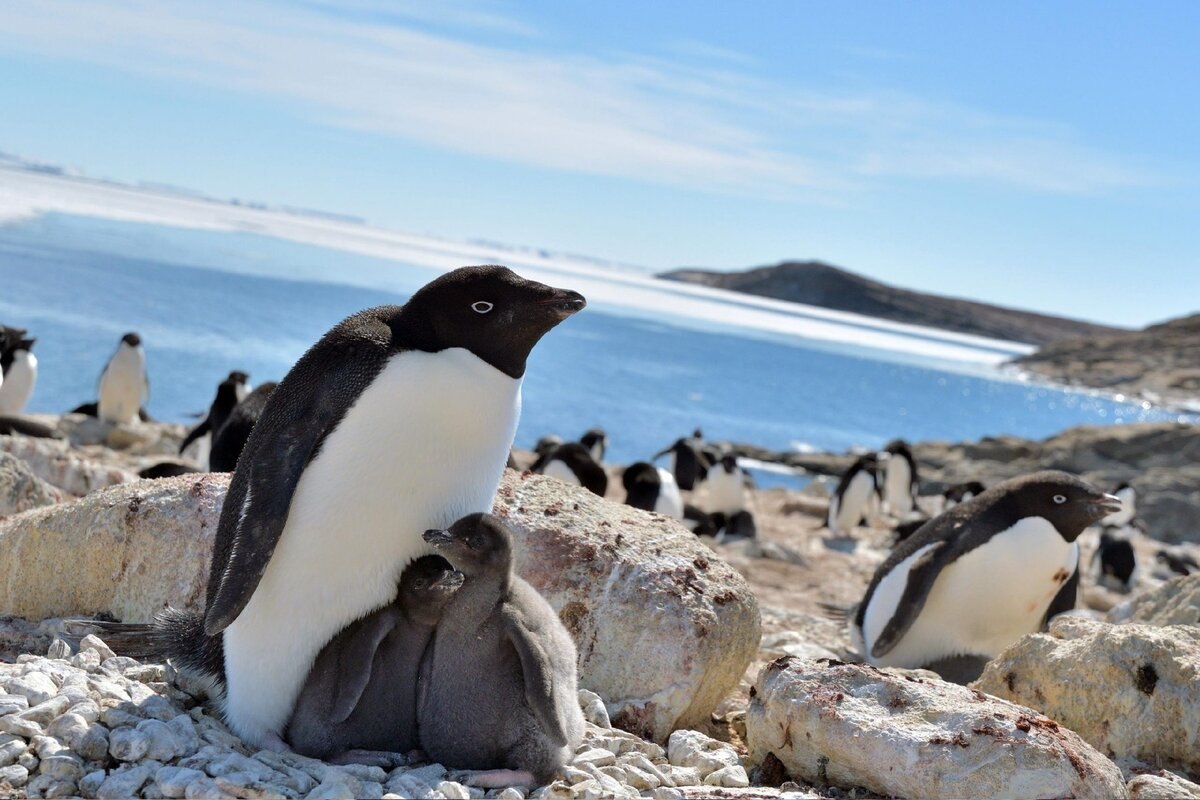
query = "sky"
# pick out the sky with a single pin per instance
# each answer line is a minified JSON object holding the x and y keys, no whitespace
{"x":1031,"y":154}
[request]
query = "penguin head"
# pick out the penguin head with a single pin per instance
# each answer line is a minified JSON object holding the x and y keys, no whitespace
{"x":640,"y":474}
{"x":491,"y":311}
{"x":729,"y":462}
{"x":427,"y":585}
{"x":25,"y":343}
{"x":595,"y":440}
{"x":131,"y":339}
{"x":1070,"y":504}
{"x":476,"y":543}
{"x":238,"y":377}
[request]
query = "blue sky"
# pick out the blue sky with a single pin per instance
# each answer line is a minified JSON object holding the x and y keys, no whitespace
{"x":1041,"y":155}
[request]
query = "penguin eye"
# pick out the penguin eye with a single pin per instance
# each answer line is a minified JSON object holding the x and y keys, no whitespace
{"x":1060,"y":498}
{"x":481,"y":306}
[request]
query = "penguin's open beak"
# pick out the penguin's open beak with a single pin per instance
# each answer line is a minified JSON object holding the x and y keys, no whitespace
{"x":437,"y":537}
{"x":565,"y":302}
{"x":1104,"y":505}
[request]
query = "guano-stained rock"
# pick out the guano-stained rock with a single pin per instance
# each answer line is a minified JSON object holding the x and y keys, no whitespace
{"x":853,"y":725}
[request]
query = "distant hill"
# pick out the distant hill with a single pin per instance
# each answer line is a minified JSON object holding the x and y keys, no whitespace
{"x":1163,"y":359}
{"x":819,"y":284}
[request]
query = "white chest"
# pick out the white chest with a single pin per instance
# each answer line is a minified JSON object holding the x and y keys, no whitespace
{"x":983,"y":601}
{"x":725,"y":490}
{"x":897,"y":486}
{"x":425,"y":444}
{"x":848,"y":510}
{"x":18,"y":384}
{"x":559,"y":470}
{"x":122,"y":385}
{"x":669,"y":502}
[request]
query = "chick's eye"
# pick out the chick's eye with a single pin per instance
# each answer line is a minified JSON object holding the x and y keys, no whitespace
{"x":481,"y":307}
{"x":1060,"y":498}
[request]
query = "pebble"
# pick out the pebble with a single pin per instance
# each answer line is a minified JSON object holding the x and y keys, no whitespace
{"x":35,"y":687}
{"x":15,"y":774}
{"x":90,"y":784}
{"x":453,"y":791}
{"x":705,"y":754}
{"x":88,"y":660}
{"x":65,"y":766}
{"x":511,"y":793}
{"x":12,"y":704}
{"x":11,"y":749}
{"x":733,"y":777}
{"x":205,"y":788}
{"x":173,"y":781}
{"x":58,"y":649}
{"x":96,"y":644}
{"x":49,"y":786}
{"x":128,"y":744}
{"x":25,"y":728}
{"x":594,"y":710}
{"x":596,"y":757}
{"x":94,"y":744}
{"x":123,"y":784}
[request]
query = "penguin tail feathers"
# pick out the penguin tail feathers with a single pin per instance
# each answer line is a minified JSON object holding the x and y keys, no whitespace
{"x":175,"y":635}
{"x":838,"y":612}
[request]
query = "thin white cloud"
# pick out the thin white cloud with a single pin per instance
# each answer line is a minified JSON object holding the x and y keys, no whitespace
{"x":714,"y":127}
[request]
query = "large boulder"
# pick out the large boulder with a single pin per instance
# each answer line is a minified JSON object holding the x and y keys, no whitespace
{"x":1130,"y":690}
{"x":1176,"y":602}
{"x":54,"y":461}
{"x":21,"y":490}
{"x":129,"y":550}
{"x":664,"y":628}
{"x":903,"y":736}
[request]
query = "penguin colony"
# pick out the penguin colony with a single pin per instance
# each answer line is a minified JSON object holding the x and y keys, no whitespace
{"x":361,"y":600}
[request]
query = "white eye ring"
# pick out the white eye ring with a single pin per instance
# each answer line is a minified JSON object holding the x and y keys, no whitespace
{"x":1060,"y":498}
{"x":481,"y":306}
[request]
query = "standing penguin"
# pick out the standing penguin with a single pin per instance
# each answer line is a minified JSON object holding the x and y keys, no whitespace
{"x":652,"y":488}
{"x":124,"y":386}
{"x":230,"y":439}
{"x":498,"y":683}
{"x":18,"y":374}
{"x":960,"y":493}
{"x":976,"y":578}
{"x":398,"y":420}
{"x":1128,"y":512}
{"x":687,"y":463}
{"x":726,"y":486}
{"x":900,"y":481}
{"x":596,"y":441}
{"x":1117,"y":559}
{"x":230,"y":392}
{"x":856,"y":496}
{"x":361,"y":694}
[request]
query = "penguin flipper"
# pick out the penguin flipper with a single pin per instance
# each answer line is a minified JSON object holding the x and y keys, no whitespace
{"x":356,"y":659}
{"x":195,"y":433}
{"x":534,"y":646}
{"x":921,"y":577}
{"x":1065,"y":599}
{"x":305,"y":407}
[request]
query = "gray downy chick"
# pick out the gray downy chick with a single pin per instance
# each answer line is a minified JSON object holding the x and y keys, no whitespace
{"x":359,"y":700}
{"x":498,"y":683}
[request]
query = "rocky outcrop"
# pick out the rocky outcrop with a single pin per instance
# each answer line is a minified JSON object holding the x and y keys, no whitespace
{"x":129,"y":550}
{"x":55,"y":462}
{"x":1176,"y":602}
{"x":21,"y":490}
{"x":819,"y":284}
{"x":902,"y":736}
{"x":663,"y":627}
{"x":1162,"y":786}
{"x":1130,"y":690}
{"x":1161,"y":361}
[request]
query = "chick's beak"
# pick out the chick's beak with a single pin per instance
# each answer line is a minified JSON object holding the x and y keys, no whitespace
{"x":436,"y":537}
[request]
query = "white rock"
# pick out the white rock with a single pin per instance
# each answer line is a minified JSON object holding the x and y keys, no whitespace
{"x":94,"y":642}
{"x":12,"y":704}
{"x":128,"y":744}
{"x":1162,"y":787}
{"x":28,"y":760}
{"x":66,"y":766}
{"x":596,"y":757}
{"x":46,"y":746}
{"x":173,"y":781}
{"x":453,"y":791}
{"x":123,"y":783}
{"x":90,"y":784}
{"x":49,"y":786}
{"x":733,"y":777}
{"x":186,"y":738}
{"x":87,"y":660}
{"x":15,"y":775}
{"x":94,"y":744}
{"x":594,"y":710}
{"x":86,"y":709}
{"x":694,"y":749}
{"x":685,"y":776}
{"x":205,"y":789}
{"x":25,"y":728}
{"x":36,"y":687}
{"x":12,"y":749}
{"x":45,"y":712}
{"x":667,"y":793}
{"x":334,"y":790}
{"x":511,"y":793}
{"x":68,"y":729}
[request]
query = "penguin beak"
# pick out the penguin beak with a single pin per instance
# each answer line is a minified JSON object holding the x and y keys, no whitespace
{"x":1104,"y":505}
{"x":565,"y":302}
{"x":450,"y":580}
{"x":437,"y":537}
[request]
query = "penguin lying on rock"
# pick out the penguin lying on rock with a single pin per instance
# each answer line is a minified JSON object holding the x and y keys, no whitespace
{"x":976,"y":578}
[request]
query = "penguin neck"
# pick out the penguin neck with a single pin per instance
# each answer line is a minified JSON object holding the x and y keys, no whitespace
{"x":483,"y":590}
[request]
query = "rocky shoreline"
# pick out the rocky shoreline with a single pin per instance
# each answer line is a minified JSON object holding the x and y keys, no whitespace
{"x":708,"y":670}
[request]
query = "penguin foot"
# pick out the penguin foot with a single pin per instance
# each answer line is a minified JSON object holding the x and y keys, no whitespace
{"x":497,"y":778}
{"x":273,"y":742}
{"x":371,"y":758}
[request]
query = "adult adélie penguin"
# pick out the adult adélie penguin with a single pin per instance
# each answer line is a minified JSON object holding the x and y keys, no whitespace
{"x":976,"y":578}
{"x":397,"y":421}
{"x":900,"y":479}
